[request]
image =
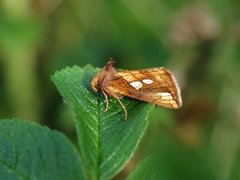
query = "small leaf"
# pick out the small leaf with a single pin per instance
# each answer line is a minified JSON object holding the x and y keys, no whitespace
{"x":107,"y":141}
{"x":30,"y":151}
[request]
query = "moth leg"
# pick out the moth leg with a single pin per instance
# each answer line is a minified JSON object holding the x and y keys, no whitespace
{"x":124,"y":108}
{"x":106,"y":98}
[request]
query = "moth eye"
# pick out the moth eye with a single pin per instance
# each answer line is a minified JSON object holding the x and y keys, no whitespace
{"x":136,"y":84}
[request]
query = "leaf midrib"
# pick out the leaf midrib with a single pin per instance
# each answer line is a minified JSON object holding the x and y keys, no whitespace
{"x":98,"y":139}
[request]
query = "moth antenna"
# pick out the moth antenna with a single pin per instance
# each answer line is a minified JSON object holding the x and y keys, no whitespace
{"x":106,"y":98}
{"x":124,"y":108}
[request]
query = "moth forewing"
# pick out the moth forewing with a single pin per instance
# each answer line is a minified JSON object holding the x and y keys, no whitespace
{"x":156,"y":85}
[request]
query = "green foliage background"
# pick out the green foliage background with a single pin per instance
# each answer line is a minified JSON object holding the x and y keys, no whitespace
{"x":197,"y":40}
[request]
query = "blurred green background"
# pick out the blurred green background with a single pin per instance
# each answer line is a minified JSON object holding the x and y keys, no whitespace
{"x":198,"y":40}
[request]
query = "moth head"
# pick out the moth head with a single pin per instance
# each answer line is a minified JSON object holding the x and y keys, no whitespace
{"x":106,"y":73}
{"x":96,"y":84}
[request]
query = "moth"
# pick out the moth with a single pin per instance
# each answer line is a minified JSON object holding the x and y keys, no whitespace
{"x":154,"y":85}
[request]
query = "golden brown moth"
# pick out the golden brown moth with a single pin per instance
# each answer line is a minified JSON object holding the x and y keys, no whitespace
{"x":154,"y":85}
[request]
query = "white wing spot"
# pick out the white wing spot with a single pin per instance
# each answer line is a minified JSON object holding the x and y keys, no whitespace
{"x":136,"y":84}
{"x":166,"y":95}
{"x":147,"y":81}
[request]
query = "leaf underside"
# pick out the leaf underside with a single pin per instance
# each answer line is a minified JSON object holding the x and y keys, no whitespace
{"x":30,"y":151}
{"x":106,"y":140}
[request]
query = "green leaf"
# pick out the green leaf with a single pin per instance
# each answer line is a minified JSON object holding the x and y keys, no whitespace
{"x":174,"y":162}
{"x":106,"y":140}
{"x":147,"y":169}
{"x":30,"y":151}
